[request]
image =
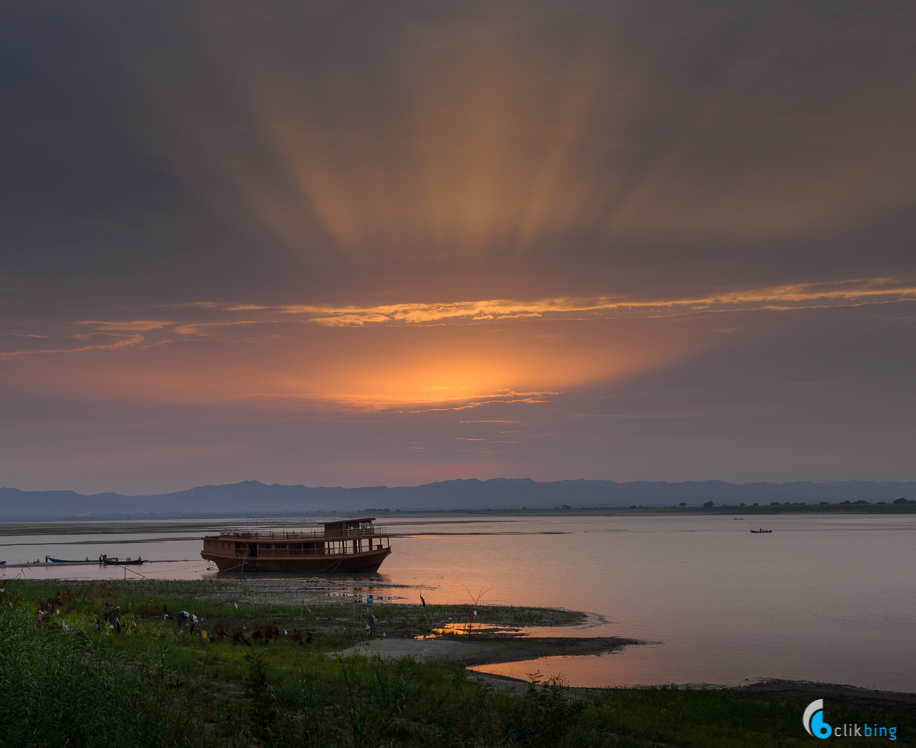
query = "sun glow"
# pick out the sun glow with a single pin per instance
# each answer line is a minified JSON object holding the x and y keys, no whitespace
{"x":363,"y":367}
{"x":424,"y":365}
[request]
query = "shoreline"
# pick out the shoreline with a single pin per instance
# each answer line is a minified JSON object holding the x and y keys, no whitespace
{"x":770,"y":689}
{"x":481,"y":649}
{"x":12,"y":526}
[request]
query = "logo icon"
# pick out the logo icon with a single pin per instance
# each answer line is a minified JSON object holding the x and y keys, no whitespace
{"x":814,"y":720}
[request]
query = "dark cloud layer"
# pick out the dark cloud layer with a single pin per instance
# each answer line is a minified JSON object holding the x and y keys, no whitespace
{"x":265,"y":212}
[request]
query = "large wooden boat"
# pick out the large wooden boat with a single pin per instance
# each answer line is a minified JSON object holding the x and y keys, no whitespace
{"x":344,"y":545}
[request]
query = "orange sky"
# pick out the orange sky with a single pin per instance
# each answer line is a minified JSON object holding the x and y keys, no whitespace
{"x":303,"y":243}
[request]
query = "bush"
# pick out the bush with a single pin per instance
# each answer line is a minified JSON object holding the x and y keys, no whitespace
{"x":260,"y":698}
{"x":543,"y":717}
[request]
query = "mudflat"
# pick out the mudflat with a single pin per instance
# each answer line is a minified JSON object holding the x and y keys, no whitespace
{"x":486,"y":650}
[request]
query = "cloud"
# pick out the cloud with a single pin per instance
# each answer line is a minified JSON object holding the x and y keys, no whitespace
{"x":139,"y":325}
{"x":210,"y":329}
{"x":803,"y":295}
{"x":123,"y":341}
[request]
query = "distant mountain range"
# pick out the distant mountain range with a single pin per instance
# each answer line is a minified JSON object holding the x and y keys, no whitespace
{"x":252,"y":498}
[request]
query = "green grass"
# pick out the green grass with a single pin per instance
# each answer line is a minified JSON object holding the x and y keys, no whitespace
{"x":59,"y":688}
{"x":154,"y":685}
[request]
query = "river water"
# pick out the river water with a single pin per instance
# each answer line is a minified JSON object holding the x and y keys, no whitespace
{"x":825,"y":598}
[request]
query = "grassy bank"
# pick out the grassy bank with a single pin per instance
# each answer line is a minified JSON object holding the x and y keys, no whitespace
{"x":269,"y":676}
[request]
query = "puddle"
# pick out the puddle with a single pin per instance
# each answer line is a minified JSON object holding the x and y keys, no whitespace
{"x":462,"y":628}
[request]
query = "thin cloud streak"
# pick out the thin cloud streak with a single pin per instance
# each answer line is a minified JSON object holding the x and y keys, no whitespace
{"x":844,"y":293}
{"x":835,"y":294}
{"x":140,"y":325}
{"x":125,"y":342}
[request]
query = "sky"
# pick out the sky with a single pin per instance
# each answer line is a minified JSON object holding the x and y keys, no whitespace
{"x":356,"y":243}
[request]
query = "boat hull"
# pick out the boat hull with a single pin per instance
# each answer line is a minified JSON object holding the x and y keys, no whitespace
{"x":112,"y":562}
{"x":368,"y":561}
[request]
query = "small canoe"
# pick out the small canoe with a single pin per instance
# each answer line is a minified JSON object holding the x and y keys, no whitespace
{"x":761,"y":531}
{"x":128,"y":562}
{"x":65,"y":561}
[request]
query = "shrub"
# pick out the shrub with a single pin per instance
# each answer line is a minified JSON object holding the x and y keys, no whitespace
{"x":265,"y":632}
{"x":261,"y":704}
{"x":219,"y":633}
{"x":543,"y":717}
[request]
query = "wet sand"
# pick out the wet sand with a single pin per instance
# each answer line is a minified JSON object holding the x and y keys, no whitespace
{"x":486,"y":650}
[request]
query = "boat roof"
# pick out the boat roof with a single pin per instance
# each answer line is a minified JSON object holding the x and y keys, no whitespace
{"x":348,"y":519}
{"x":280,"y":532}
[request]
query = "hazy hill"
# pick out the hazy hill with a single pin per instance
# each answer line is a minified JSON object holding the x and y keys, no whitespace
{"x":255,"y":498}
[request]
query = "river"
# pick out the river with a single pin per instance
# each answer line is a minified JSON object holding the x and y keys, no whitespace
{"x":828,"y":598}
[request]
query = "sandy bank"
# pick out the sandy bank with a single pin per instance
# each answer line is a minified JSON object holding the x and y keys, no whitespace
{"x":486,"y":650}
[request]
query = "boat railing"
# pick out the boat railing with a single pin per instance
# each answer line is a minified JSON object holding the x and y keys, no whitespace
{"x":357,"y":532}
{"x":328,"y":547}
{"x":274,"y":535}
{"x":345,"y":549}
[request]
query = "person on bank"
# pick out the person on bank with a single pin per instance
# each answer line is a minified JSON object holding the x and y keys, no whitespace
{"x":184,"y":617}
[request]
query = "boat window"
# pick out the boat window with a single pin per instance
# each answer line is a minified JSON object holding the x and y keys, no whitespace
{"x":265,"y":546}
{"x":280,"y":545}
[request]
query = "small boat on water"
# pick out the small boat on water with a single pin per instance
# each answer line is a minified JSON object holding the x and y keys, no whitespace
{"x":48,"y":559}
{"x":116,"y":562}
{"x":344,"y":545}
{"x":761,"y":531}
